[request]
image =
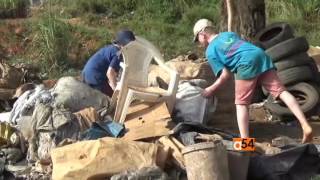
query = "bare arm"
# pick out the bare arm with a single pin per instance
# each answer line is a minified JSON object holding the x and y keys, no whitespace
{"x":225,"y":75}
{"x":112,"y":77}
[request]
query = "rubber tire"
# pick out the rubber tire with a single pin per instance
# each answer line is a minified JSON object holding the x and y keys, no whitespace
{"x":310,"y":92}
{"x":295,"y":75}
{"x":259,"y":44}
{"x":274,"y":34}
{"x":315,"y":71}
{"x":293,"y":61}
{"x":288,"y":48}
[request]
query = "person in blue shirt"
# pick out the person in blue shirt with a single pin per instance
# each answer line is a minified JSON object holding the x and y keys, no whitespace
{"x":229,"y":55}
{"x":101,"y":70}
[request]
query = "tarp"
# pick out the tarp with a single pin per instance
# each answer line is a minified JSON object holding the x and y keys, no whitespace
{"x":25,"y":104}
{"x":72,"y":94}
{"x":297,"y":163}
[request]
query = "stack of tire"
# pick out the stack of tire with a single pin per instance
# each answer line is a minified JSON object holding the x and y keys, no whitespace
{"x":297,"y":71}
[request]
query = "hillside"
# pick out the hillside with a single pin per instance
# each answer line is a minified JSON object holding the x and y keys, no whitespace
{"x":60,"y":35}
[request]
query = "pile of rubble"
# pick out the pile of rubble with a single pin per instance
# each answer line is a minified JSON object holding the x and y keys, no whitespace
{"x":68,"y":132}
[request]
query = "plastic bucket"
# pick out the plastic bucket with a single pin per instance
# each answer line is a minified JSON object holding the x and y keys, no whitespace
{"x":238,"y":162}
{"x":206,"y":161}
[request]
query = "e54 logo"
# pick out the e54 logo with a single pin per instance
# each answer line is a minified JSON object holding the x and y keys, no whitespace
{"x":244,"y":144}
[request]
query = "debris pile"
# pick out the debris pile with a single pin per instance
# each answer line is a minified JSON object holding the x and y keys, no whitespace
{"x":70,"y":131}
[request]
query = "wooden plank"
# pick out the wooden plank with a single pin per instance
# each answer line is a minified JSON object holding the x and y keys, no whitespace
{"x":177,"y":143}
{"x":148,"y":111}
{"x":146,"y":120}
{"x":162,"y":155}
{"x":175,"y":149}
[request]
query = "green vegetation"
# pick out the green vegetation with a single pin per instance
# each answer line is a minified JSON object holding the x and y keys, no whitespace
{"x":65,"y":33}
{"x":167,"y":23}
{"x":13,"y":8}
{"x":11,"y":4}
{"x":304,"y":16}
{"x":54,"y":40}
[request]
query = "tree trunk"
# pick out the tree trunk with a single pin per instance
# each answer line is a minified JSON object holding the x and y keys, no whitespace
{"x":248,"y":17}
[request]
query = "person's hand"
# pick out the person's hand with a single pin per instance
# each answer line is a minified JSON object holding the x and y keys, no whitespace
{"x":207,"y":92}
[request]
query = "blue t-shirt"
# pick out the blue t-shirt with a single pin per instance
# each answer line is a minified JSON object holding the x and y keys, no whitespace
{"x":244,"y":59}
{"x":94,"y":72}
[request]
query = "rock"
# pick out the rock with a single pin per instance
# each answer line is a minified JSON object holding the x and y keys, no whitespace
{"x":267,"y":148}
{"x":142,"y":174}
{"x":192,"y":56}
{"x":257,"y":112}
{"x":283,"y":141}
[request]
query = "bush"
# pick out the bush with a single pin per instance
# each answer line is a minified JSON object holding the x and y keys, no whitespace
{"x":13,"y":8}
{"x":53,"y":41}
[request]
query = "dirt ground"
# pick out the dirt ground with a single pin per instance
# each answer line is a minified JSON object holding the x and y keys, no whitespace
{"x":265,"y":130}
{"x":260,"y":127}
{"x":268,"y":130}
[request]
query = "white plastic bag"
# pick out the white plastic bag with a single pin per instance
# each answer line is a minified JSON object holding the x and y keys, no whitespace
{"x":191,"y":106}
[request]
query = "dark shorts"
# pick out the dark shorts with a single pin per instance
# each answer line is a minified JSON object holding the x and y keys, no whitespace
{"x":103,"y":87}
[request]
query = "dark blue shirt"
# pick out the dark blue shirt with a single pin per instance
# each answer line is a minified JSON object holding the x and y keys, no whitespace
{"x":94,"y":72}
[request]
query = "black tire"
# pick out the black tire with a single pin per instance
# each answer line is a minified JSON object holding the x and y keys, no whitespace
{"x":295,"y":75}
{"x":288,"y":48}
{"x":274,"y":34}
{"x":314,"y":70}
{"x":259,"y":44}
{"x":306,"y":95}
{"x":293,"y":61}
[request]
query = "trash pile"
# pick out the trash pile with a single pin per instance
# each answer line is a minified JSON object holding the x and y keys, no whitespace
{"x":11,"y":77}
{"x":71,"y":131}
{"x":296,"y":69}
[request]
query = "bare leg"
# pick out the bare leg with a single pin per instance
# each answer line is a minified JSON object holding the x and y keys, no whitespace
{"x":293,"y":105}
{"x":243,"y":120}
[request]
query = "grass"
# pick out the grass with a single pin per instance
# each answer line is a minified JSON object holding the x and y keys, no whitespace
{"x":304,"y":16}
{"x":62,"y":45}
{"x":54,"y":41}
{"x":162,"y":22}
{"x":12,"y":4}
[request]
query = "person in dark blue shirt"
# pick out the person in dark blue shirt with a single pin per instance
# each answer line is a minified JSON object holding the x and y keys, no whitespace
{"x":102,"y":68}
